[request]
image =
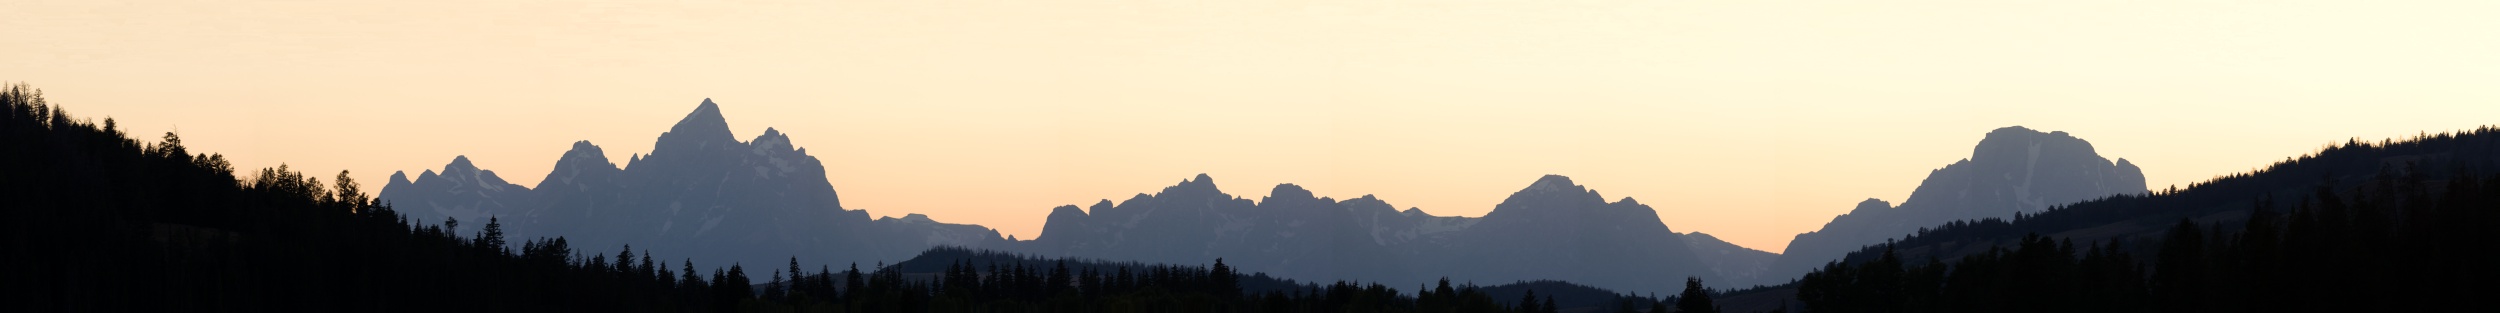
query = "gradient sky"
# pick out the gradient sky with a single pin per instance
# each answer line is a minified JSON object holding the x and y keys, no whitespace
{"x":1750,"y":120}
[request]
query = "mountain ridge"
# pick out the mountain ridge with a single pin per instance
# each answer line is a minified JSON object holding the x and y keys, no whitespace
{"x":1293,"y":233}
{"x":2012,"y":170}
{"x":700,"y":191}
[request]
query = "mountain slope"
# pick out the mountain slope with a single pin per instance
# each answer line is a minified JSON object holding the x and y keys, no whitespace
{"x":2012,"y":170}
{"x":1555,"y":229}
{"x":2393,"y":226}
{"x":2354,"y":170}
{"x":1735,"y":263}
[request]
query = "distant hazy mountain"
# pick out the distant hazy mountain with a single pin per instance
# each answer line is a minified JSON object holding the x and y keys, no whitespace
{"x":1552,"y":230}
{"x":1737,"y":264}
{"x":1555,"y":229}
{"x":1290,"y":233}
{"x":2014,"y":169}
{"x":700,"y":193}
{"x":461,"y":191}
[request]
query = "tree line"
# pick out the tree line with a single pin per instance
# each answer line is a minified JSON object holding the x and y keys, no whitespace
{"x":2407,"y":239}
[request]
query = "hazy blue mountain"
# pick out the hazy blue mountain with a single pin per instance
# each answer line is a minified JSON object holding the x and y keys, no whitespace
{"x":702,"y":193}
{"x":1552,"y":230}
{"x":1730,"y":261}
{"x":1555,"y":229}
{"x":1289,"y":233}
{"x":461,"y":191}
{"x":2013,"y":169}
{"x":699,"y":193}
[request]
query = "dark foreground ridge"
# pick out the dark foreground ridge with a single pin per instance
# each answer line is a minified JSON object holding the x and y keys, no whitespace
{"x":2390,"y":226}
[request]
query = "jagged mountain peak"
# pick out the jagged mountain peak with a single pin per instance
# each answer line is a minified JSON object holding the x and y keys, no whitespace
{"x":772,"y":141}
{"x":585,"y":148}
{"x":1552,"y":182}
{"x":584,"y":162}
{"x":706,"y":109}
{"x":705,"y":128}
{"x":459,"y":164}
{"x":1199,"y":185}
{"x":1070,"y":210}
{"x":583,"y":153}
{"x":1552,"y":191}
{"x":461,"y":172}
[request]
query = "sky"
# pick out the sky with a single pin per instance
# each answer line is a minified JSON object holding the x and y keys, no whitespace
{"x":1749,"y":120}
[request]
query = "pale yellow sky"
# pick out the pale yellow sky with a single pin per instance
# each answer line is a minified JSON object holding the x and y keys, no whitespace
{"x":1751,"y":120}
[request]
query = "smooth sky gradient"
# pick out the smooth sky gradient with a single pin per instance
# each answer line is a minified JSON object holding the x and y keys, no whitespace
{"x":1749,"y":120}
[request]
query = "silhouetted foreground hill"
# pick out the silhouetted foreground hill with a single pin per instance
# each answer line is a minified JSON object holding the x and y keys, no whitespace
{"x":2390,"y":226}
{"x":100,"y":222}
{"x":991,"y":276}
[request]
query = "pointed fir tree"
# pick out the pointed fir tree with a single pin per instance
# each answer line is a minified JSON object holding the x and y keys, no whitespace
{"x":1695,"y":298}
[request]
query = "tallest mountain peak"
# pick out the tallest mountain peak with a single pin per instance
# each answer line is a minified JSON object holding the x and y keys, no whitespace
{"x":706,"y":113}
{"x":703,"y":128}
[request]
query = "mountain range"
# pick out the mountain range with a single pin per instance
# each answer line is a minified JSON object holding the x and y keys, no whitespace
{"x":1553,"y":229}
{"x":702,"y":192}
{"x":106,"y":214}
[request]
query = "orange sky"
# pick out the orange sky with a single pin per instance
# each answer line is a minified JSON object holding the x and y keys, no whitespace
{"x":1751,"y":120}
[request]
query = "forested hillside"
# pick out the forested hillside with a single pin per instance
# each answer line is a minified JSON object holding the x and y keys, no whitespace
{"x":2389,"y":226}
{"x":101,"y":222}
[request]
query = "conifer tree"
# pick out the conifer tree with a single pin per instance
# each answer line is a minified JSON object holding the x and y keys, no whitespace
{"x":1695,"y":298}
